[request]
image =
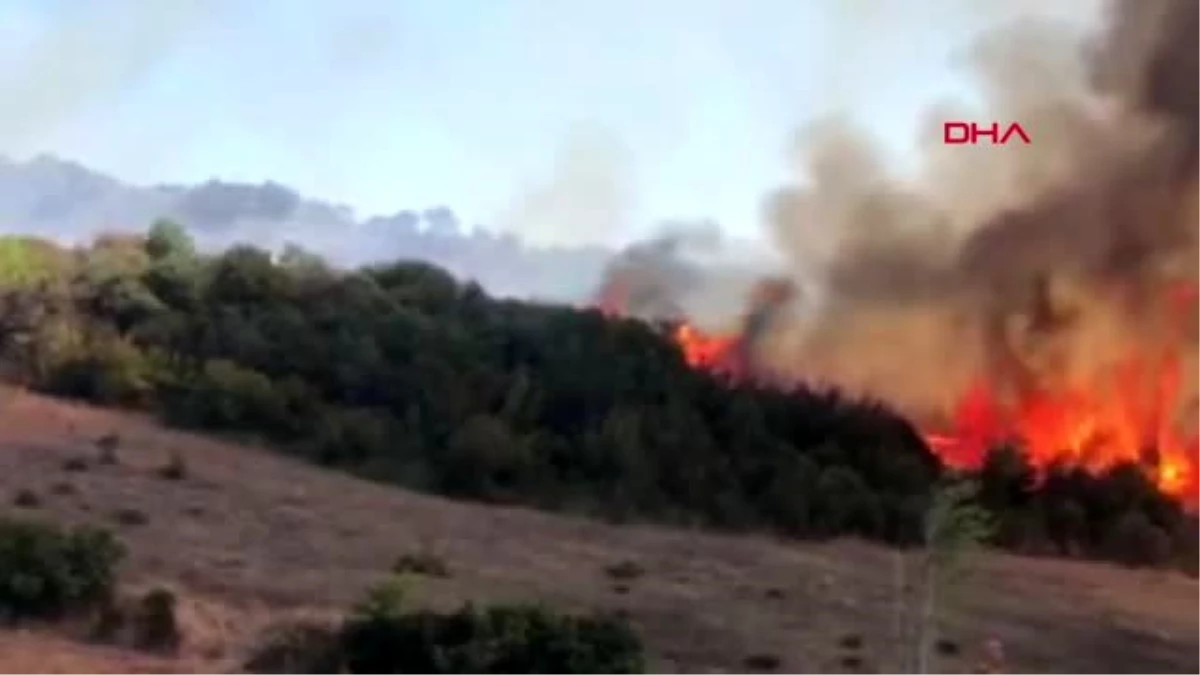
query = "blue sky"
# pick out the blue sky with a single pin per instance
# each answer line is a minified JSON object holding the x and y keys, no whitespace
{"x":642,"y":109}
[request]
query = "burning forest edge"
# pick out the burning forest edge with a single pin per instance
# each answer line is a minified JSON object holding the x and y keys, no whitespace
{"x":1040,"y":295}
{"x":402,"y":374}
{"x":1120,"y":421}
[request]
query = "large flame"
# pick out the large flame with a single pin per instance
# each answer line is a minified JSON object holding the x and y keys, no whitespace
{"x":717,"y":353}
{"x":1006,"y":295}
{"x":1128,"y":413}
{"x":1120,"y":418}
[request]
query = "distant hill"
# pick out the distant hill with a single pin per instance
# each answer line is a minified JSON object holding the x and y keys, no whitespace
{"x":64,"y":200}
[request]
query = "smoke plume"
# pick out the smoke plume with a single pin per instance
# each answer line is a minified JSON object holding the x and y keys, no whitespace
{"x":87,"y":55}
{"x":1035,"y":266}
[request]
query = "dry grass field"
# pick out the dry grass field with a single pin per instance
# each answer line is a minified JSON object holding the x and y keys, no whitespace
{"x":249,"y":538}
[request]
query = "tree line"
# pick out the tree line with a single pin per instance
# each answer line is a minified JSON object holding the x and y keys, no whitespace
{"x":400,"y":373}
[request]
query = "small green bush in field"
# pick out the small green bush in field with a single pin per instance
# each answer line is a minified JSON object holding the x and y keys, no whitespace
{"x":46,"y":571}
{"x":380,"y":638}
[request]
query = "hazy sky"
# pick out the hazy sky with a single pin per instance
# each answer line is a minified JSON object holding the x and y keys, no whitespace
{"x":639,"y":109}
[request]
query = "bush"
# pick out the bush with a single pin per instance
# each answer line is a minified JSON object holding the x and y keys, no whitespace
{"x":131,"y":517}
{"x":111,"y":371}
{"x":384,"y":601}
{"x":63,"y":489}
{"x":851,"y":641}
{"x":761,"y":662}
{"x":299,"y":647}
{"x":75,"y":464}
{"x":349,"y":438}
{"x":174,"y":469}
{"x":514,"y":639}
{"x":626,"y":570}
{"x":27,"y":499}
{"x":424,"y":563}
{"x":1136,"y":541}
{"x":108,"y":445}
{"x":155,"y":625}
{"x":47,"y":572}
{"x":226,"y":395}
{"x":109,"y":623}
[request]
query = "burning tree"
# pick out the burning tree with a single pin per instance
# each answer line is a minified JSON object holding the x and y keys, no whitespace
{"x":1044,"y":293}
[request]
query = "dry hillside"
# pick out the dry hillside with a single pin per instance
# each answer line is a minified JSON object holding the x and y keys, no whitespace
{"x":249,"y":537}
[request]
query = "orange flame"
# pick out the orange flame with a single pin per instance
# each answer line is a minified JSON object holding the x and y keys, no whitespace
{"x":719,"y":353}
{"x":1123,"y":418}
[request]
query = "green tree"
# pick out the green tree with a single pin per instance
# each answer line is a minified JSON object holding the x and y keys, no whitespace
{"x":168,"y":240}
{"x":483,"y":459}
{"x":844,"y":502}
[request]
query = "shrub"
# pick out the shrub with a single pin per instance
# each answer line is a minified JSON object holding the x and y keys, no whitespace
{"x":155,"y":625}
{"x":108,"y":445}
{"x":1136,"y":541}
{"x":226,"y":395}
{"x":298,"y":647}
{"x":130,"y":517}
{"x":424,"y":563}
{"x":47,"y":572}
{"x":75,"y":464}
{"x":761,"y":662}
{"x":63,"y":488}
{"x":174,"y":469}
{"x":27,"y":499}
{"x":349,"y":437}
{"x":109,"y":623}
{"x":111,"y":370}
{"x":946,"y":647}
{"x":626,"y":570}
{"x":515,"y":639}
{"x":384,"y":601}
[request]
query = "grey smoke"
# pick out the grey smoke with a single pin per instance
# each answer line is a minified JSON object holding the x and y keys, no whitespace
{"x":89,"y":54}
{"x":68,"y":202}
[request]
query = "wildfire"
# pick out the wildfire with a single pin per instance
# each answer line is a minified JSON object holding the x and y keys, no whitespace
{"x":1124,"y":419}
{"x":718,"y":353}
{"x":1128,"y":414}
{"x":1122,"y":414}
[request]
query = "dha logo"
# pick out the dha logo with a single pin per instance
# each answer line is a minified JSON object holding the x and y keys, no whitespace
{"x":958,"y":133}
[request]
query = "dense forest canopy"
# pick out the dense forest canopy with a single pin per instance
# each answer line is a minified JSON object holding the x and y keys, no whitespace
{"x":400,"y":373}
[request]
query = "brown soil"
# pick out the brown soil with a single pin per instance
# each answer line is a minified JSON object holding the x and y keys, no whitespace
{"x":248,"y":537}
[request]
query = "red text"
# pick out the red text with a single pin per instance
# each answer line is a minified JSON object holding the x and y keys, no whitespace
{"x":957,"y":133}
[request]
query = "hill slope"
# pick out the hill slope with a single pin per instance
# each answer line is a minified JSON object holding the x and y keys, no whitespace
{"x":250,"y":536}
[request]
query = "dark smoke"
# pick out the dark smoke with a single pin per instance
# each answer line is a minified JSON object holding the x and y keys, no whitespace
{"x":1035,"y":266}
{"x":690,"y":270}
